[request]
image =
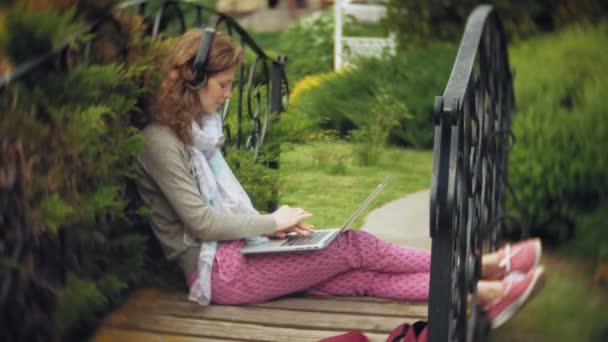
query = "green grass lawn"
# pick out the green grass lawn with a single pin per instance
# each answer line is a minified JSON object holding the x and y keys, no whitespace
{"x":325,"y":179}
{"x":570,"y":307}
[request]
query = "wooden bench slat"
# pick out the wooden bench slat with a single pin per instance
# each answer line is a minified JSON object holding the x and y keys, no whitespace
{"x":268,"y":317}
{"x":353,"y":305}
{"x":151,"y":293}
{"x":219,"y":329}
{"x":107,"y":334}
{"x":361,"y":299}
{"x":152,"y":314}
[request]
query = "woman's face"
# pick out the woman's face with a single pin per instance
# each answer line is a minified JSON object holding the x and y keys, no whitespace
{"x":216,"y":91}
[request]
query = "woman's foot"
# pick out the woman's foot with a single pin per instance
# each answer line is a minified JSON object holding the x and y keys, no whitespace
{"x":518,"y":290}
{"x":520,"y":257}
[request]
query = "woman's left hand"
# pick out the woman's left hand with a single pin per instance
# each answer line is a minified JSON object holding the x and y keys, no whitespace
{"x":300,"y":229}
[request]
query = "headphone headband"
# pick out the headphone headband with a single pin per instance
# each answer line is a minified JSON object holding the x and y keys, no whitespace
{"x":199,"y":65}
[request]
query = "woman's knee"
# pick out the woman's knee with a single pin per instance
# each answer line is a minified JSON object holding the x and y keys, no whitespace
{"x":359,"y":235}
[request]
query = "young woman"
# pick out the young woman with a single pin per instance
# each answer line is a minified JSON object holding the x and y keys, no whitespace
{"x":202,"y":215}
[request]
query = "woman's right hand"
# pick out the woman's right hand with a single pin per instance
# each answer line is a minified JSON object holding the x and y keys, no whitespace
{"x":299,"y":229}
{"x":286,"y":217}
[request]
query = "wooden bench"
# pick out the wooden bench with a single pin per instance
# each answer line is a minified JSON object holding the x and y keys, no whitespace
{"x":154,"y":315}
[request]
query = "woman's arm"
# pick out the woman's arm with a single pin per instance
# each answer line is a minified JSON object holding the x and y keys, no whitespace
{"x":165,"y":161}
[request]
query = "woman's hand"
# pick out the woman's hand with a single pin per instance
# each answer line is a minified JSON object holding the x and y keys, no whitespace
{"x":300,"y":229}
{"x":286,"y":217}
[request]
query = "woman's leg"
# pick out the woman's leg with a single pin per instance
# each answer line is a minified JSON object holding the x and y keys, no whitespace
{"x":490,"y":266}
{"x":489,"y":291}
{"x":237,"y":279}
{"x":400,"y":286}
{"x":407,"y":286}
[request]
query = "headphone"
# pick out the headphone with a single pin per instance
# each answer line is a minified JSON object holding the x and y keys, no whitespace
{"x":199,"y":65}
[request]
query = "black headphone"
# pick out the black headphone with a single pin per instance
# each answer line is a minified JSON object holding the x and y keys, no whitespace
{"x":199,"y":65}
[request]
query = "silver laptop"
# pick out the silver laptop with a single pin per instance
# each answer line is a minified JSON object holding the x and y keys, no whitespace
{"x":315,"y":241}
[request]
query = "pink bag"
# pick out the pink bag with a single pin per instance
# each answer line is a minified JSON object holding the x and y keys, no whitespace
{"x":405,"y":332}
{"x":416,"y":332}
{"x":351,"y":336}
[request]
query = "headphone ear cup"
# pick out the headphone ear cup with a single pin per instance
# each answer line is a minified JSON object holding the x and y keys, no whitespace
{"x":198,"y":82}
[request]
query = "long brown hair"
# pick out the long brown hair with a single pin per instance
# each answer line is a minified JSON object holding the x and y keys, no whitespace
{"x":174,"y":101}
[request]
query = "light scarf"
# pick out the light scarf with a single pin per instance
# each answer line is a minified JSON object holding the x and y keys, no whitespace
{"x":219,"y":188}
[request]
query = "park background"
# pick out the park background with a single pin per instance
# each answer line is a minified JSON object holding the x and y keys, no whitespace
{"x":343,"y":130}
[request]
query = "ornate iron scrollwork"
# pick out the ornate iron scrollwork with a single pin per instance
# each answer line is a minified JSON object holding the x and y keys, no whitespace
{"x":256,"y":87}
{"x":472,"y":130}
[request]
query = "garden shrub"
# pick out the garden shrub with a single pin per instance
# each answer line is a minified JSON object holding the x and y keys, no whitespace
{"x":410,"y":79}
{"x":29,"y":33}
{"x":79,"y":148}
{"x":307,"y":83}
{"x":258,"y":173}
{"x":559,"y":165}
{"x":424,"y":23}
{"x":371,"y":138}
{"x":74,"y":129}
{"x":309,"y":42}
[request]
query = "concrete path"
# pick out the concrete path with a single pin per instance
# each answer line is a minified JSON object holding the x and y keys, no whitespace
{"x":404,"y":221}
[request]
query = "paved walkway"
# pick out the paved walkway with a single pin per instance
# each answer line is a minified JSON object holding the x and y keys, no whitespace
{"x":404,"y":221}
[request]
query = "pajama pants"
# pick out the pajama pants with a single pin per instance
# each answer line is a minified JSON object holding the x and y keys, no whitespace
{"x":355,"y":264}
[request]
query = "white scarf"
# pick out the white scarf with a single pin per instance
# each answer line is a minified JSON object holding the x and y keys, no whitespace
{"x":219,"y":188}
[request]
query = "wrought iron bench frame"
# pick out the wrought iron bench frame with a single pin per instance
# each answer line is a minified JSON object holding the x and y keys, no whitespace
{"x":472,"y":139}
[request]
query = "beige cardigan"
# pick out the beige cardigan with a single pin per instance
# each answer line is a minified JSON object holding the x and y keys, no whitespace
{"x":167,"y":186}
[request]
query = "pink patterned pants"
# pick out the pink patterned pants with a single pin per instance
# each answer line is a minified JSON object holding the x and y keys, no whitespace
{"x":355,"y":264}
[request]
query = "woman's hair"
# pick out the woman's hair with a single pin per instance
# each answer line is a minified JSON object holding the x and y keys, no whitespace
{"x":174,"y":101}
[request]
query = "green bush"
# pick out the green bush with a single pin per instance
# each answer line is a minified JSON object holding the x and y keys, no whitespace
{"x":371,"y":138}
{"x":258,"y":174}
{"x":309,"y":45}
{"x":33,"y":33}
{"x":79,"y":149}
{"x":309,"y":42}
{"x":423,"y":23}
{"x":559,"y":165}
{"x":409,"y":80}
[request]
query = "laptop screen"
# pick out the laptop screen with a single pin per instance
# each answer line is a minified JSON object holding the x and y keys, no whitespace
{"x":365,"y":203}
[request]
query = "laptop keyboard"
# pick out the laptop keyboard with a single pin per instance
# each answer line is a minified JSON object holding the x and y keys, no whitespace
{"x":306,"y":240}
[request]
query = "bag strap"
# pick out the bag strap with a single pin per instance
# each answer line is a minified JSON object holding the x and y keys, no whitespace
{"x":418,"y":327}
{"x":401,"y":336}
